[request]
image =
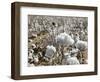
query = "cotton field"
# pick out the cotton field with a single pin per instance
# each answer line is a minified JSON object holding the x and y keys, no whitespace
{"x":57,"y":40}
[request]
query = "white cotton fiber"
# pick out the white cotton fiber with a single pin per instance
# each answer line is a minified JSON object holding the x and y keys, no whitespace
{"x":50,"y":51}
{"x":81,"y":45}
{"x":64,"y":39}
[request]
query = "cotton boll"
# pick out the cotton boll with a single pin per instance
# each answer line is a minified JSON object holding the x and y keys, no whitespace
{"x":50,"y":51}
{"x":69,"y":40}
{"x":74,"y":50}
{"x":45,"y":58}
{"x":60,"y":39}
{"x":52,"y":48}
{"x":68,"y":60}
{"x":64,"y":39}
{"x":72,"y":61}
{"x":67,"y":55}
{"x":36,"y":60}
{"x":30,"y":55}
{"x":81,"y":45}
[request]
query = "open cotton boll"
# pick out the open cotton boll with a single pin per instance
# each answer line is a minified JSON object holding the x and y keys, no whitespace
{"x":67,"y":55}
{"x":34,"y":35}
{"x":60,"y":39}
{"x":72,"y":61}
{"x":30,"y":55}
{"x":51,"y":47}
{"x":69,"y":40}
{"x":81,"y":45}
{"x":64,"y":39}
{"x":68,"y":60}
{"x":50,"y":51}
{"x":74,"y":50}
{"x":36,"y":60}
